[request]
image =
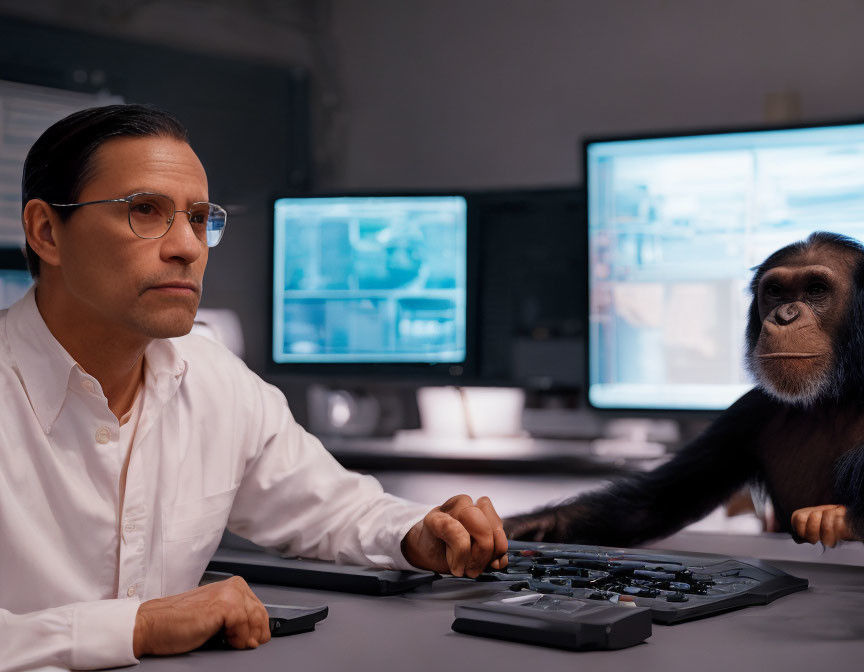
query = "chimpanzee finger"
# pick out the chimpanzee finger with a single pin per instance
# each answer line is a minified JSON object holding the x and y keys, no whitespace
{"x":828,"y":528}
{"x":814,"y":524}
{"x":799,"y":523}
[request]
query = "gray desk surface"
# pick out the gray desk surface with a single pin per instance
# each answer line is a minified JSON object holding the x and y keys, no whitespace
{"x":822,"y":628}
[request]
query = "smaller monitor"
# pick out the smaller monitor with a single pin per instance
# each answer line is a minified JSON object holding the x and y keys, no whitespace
{"x":370,"y":280}
{"x":15,"y":279}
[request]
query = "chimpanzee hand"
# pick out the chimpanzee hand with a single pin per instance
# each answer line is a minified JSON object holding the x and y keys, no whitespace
{"x":825,"y":523}
{"x":530,"y":526}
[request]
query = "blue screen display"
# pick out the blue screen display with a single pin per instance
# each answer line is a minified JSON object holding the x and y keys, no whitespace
{"x":13,"y":285}
{"x":675,"y":227}
{"x":370,"y":280}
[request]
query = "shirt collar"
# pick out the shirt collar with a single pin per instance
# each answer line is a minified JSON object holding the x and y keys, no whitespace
{"x":45,"y":366}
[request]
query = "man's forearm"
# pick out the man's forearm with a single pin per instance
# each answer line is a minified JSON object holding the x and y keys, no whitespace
{"x":84,"y":636}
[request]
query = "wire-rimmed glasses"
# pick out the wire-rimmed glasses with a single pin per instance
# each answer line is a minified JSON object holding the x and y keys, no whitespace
{"x":151,"y":215}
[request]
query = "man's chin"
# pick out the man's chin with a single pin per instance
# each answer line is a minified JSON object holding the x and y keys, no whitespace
{"x":168,"y":324}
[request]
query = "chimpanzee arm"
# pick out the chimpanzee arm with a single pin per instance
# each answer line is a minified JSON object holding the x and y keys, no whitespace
{"x":655,"y":504}
{"x":849,"y":488}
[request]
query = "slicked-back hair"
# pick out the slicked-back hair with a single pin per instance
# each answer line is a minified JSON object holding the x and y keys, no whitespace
{"x":847,"y":379}
{"x":60,"y":162}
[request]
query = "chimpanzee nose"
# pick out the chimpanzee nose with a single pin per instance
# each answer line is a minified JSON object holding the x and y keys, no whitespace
{"x":787,"y":313}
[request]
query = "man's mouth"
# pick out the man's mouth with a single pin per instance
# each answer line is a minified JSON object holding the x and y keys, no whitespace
{"x":180,"y":288}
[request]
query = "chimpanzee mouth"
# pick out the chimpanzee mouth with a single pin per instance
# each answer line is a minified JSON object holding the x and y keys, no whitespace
{"x":791,"y":355}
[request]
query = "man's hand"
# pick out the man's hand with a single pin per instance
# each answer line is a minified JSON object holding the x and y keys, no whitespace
{"x":822,"y":523}
{"x":460,"y":537}
{"x":184,"y":622}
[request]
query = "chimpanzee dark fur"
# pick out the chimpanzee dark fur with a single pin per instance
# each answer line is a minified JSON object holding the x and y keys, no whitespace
{"x":802,"y":455}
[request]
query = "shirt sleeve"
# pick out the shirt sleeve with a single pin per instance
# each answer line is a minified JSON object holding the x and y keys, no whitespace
{"x":295,"y":497}
{"x":81,"y":636}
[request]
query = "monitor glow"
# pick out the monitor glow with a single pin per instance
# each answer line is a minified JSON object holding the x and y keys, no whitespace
{"x":371,"y":279}
{"x":675,"y":227}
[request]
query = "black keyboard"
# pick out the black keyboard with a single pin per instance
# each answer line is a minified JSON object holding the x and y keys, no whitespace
{"x":258,"y":567}
{"x":675,"y":587}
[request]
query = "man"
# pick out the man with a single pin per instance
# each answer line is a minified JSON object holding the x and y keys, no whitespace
{"x":123,"y":454}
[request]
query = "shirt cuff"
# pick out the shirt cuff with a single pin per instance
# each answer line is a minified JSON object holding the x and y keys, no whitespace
{"x":394,"y":558}
{"x":102,"y":633}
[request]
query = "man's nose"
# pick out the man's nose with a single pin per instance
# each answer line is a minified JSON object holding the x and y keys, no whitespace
{"x":180,"y":242}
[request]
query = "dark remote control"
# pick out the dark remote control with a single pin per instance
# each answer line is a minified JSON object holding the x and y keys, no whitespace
{"x":556,"y":620}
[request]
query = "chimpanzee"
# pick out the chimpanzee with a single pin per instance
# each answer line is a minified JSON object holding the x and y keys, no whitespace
{"x":799,"y":434}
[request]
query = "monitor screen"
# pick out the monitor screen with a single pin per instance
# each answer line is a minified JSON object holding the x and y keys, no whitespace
{"x":370,"y":279}
{"x":675,"y":227}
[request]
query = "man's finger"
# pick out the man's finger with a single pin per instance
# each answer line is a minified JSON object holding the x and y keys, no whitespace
{"x":259,"y":622}
{"x":499,"y":553}
{"x":455,"y":504}
{"x":237,"y":627}
{"x":455,"y":537}
{"x":482,"y":540}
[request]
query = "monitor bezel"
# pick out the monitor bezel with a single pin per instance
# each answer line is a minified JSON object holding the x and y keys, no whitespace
{"x":591,"y":139}
{"x":390,"y":373}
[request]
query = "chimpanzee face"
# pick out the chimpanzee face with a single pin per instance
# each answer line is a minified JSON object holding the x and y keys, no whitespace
{"x":803,"y":306}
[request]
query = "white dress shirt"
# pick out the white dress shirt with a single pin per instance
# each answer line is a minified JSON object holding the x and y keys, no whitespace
{"x":213,"y":445}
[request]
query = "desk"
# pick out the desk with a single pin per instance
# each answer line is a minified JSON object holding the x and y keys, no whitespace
{"x":819,"y":629}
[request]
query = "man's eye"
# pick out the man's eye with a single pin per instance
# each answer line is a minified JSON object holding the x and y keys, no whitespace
{"x":773,"y":291}
{"x":144,"y":209}
{"x":198,"y":218}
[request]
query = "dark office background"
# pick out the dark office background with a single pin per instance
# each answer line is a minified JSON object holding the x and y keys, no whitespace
{"x":429,"y":94}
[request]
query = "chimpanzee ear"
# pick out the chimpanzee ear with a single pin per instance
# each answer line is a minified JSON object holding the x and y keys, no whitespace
{"x":754,"y":324}
{"x":849,"y":487}
{"x":855,"y":325}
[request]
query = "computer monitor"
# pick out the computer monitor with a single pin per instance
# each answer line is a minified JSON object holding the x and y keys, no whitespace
{"x":370,"y":283}
{"x":675,"y":226}
{"x":15,"y":279}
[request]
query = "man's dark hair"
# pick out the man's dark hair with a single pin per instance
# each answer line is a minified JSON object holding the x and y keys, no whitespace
{"x":60,"y":162}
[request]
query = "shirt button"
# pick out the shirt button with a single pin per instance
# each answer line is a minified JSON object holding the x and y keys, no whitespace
{"x":88,"y":385}
{"x":131,"y":591}
{"x":129,"y":527}
{"x":103,"y":435}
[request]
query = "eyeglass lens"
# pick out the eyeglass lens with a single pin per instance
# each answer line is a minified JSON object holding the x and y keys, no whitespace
{"x":150,"y":216}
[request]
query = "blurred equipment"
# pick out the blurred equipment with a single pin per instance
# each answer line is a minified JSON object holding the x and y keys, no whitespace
{"x":221,"y":325}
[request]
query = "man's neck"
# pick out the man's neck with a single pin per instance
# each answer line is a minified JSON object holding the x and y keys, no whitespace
{"x":112,"y":356}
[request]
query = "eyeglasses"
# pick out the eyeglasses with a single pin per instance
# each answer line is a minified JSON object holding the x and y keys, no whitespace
{"x":151,"y":215}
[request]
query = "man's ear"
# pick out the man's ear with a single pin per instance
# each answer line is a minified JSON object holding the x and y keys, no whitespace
{"x":39,"y":222}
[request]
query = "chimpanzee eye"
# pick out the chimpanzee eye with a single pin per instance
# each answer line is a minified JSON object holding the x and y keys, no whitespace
{"x":773,"y":291}
{"x":817,"y":289}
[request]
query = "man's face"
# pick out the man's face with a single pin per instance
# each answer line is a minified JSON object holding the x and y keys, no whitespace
{"x":149,"y":288}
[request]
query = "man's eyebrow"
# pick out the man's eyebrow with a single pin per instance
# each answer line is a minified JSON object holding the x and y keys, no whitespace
{"x":150,"y":190}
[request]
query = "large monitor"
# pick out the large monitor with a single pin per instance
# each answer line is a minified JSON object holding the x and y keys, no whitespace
{"x":675,"y":226}
{"x":370,"y":281}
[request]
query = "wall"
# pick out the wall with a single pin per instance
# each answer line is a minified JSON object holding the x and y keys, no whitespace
{"x":487,"y":93}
